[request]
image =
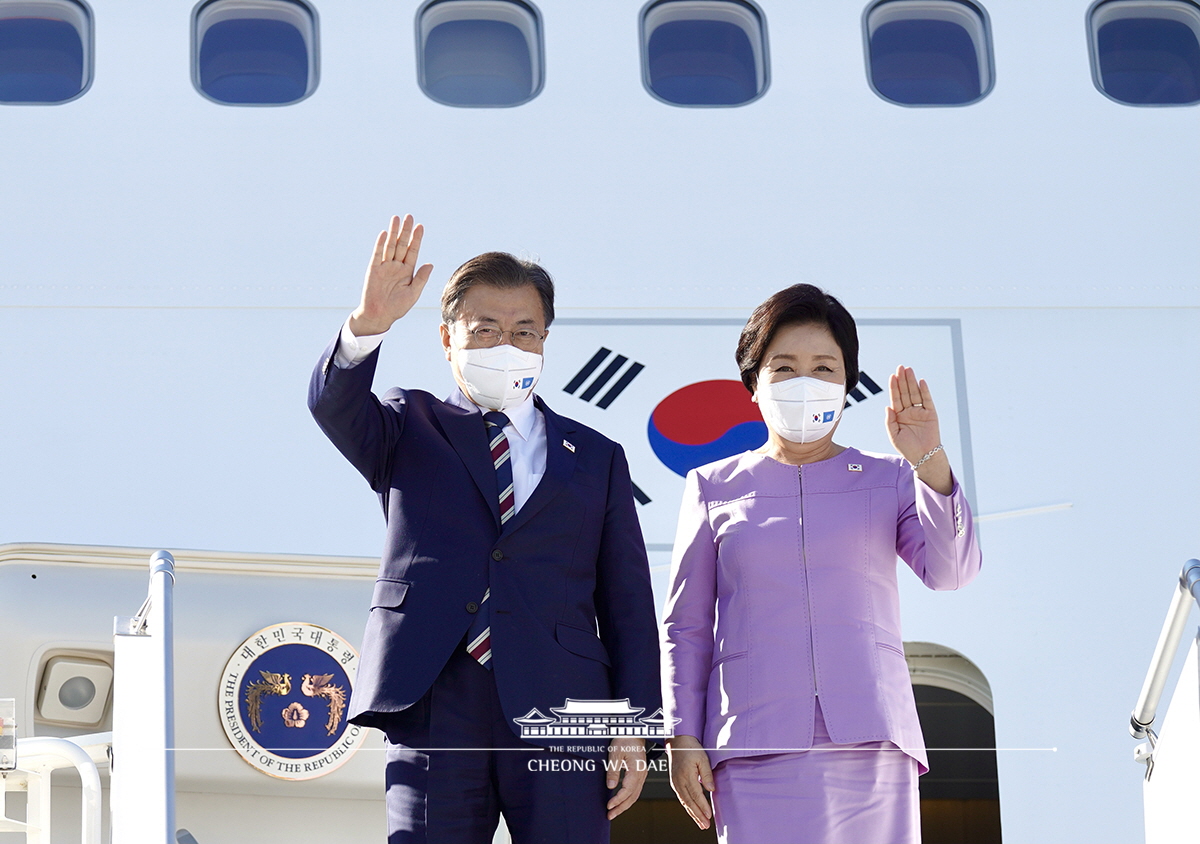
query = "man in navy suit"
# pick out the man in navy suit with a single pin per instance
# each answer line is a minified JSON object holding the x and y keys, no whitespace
{"x":514,"y":575}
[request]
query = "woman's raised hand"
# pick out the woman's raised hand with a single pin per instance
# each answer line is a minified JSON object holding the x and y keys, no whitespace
{"x":393,"y":283}
{"x":690,"y":776}
{"x":912,"y":426}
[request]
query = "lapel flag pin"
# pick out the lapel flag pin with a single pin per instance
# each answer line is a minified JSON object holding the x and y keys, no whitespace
{"x":568,"y":446}
{"x":854,"y":467}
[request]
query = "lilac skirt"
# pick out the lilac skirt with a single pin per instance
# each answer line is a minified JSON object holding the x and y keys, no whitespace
{"x":833,"y":794}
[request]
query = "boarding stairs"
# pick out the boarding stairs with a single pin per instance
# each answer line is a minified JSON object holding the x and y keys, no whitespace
{"x":1172,"y":756}
{"x":142,"y":768}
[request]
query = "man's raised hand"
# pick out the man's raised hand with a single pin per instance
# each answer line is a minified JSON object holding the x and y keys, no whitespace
{"x":393,"y":283}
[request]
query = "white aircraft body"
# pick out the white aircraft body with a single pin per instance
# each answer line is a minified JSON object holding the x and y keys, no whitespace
{"x":173,"y":260}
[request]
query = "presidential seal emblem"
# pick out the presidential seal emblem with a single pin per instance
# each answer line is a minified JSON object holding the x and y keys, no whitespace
{"x":283,"y":701}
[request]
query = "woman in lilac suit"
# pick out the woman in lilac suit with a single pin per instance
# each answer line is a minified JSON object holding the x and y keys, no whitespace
{"x":782,"y":661}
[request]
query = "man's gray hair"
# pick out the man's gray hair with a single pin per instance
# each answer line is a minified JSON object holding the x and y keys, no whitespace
{"x":497,"y":269}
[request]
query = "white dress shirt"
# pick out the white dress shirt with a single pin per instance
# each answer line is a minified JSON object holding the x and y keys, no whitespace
{"x":526,"y":428}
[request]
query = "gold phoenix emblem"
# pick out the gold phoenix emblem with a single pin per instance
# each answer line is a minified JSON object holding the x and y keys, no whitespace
{"x":318,"y":685}
{"x":270,"y":684}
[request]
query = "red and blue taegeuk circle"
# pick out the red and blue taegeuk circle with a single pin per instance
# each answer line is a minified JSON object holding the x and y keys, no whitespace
{"x":703,"y":422}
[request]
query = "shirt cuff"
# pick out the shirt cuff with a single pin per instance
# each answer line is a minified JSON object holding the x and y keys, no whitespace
{"x":354,"y":350}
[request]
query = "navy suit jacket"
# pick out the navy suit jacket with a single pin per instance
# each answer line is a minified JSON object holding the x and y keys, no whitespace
{"x":572,"y":610}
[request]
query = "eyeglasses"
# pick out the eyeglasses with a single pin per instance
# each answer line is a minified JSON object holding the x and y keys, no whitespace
{"x":489,"y":335}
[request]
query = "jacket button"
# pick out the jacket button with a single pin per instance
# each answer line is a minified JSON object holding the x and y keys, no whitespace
{"x":472,"y":607}
{"x":497,"y":555}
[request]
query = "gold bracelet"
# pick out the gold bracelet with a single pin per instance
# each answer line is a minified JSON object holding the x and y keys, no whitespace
{"x":932,"y":452}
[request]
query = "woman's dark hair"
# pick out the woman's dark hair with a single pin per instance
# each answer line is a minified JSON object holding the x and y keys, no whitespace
{"x":497,"y":269}
{"x":800,"y":304}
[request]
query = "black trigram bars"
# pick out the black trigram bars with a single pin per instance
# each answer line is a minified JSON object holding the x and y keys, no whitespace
{"x":600,"y":381}
{"x":864,"y":380}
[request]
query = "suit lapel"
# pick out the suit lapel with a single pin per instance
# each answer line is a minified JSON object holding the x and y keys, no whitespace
{"x":560,"y":465}
{"x":465,"y":431}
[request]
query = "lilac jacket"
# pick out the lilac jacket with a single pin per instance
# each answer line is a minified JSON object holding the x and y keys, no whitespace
{"x":783,"y":587}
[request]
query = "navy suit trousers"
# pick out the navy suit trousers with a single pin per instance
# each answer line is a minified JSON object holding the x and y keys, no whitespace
{"x":454,"y":764}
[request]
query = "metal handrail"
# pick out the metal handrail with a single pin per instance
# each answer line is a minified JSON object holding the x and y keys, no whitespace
{"x":40,"y":755}
{"x":1187,"y":591}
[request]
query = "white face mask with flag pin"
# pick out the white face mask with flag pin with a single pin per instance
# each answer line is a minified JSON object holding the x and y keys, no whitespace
{"x":499,"y":377}
{"x":802,"y":410}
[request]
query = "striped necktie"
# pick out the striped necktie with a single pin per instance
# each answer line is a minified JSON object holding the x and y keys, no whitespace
{"x":479,"y":637}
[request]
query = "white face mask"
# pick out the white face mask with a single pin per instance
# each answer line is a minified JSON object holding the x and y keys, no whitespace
{"x":500,"y":377}
{"x":802,"y":409}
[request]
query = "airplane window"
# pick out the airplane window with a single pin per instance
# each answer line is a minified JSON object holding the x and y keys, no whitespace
{"x":254,"y":52}
{"x":45,"y":51}
{"x":1146,"y":52}
{"x":928,"y":52}
{"x":704,"y":52}
{"x":479,"y":53}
